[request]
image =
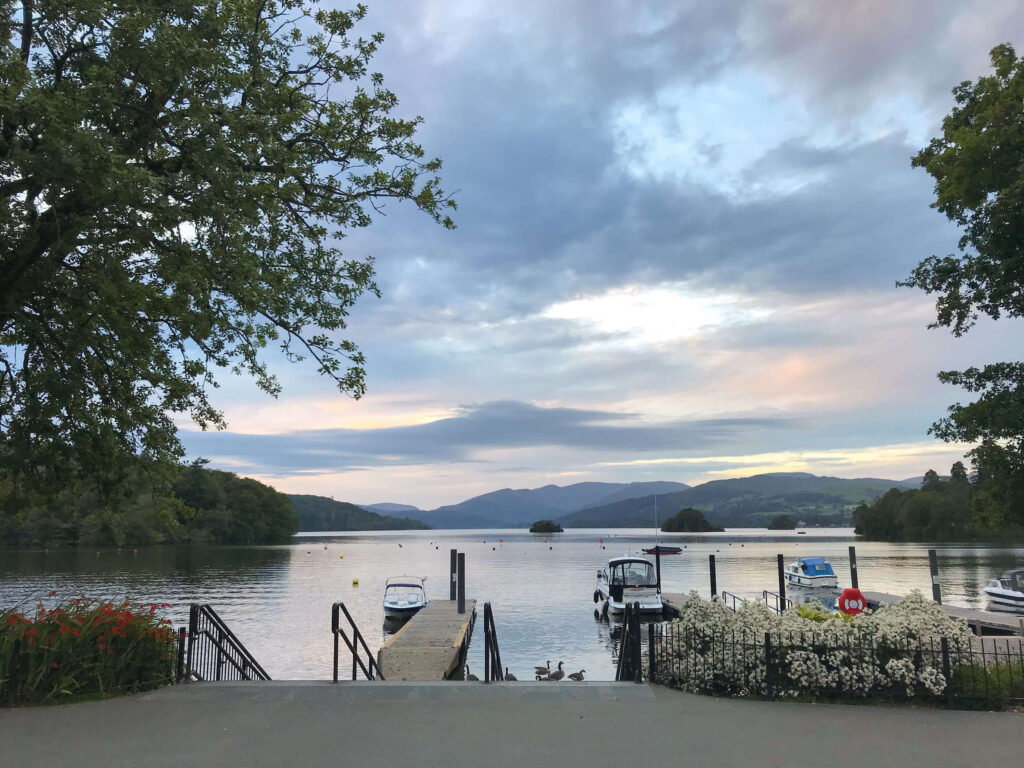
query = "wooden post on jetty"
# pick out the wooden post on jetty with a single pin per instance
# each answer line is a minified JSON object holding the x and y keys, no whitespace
{"x":462,"y":582}
{"x":453,"y":574}
{"x":714,"y":580}
{"x":782,"y":585}
{"x":933,"y":567}
{"x":853,"y":568}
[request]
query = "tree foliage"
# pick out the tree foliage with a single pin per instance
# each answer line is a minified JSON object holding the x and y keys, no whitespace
{"x":978,"y":167}
{"x":178,"y":178}
{"x":782,"y":523}
{"x":941,"y":510}
{"x":690,"y":520}
{"x":200,"y":506}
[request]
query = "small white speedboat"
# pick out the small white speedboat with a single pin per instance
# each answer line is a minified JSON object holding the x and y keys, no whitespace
{"x":811,"y":572}
{"x":629,"y":579}
{"x":1007,"y":590}
{"x":403,"y":596}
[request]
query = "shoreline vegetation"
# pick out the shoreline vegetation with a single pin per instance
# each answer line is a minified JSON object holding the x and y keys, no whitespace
{"x":956,"y":508}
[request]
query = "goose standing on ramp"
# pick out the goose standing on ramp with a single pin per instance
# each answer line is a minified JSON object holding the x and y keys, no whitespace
{"x":557,"y":674}
{"x":510,"y":676}
{"x":577,"y":676}
{"x":471,"y":676}
{"x":544,"y":670}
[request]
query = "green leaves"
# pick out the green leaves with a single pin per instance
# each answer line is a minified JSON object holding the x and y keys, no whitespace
{"x":978,"y":166}
{"x":178,"y":178}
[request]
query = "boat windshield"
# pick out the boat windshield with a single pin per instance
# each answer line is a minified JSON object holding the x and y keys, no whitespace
{"x":634,"y":574}
{"x":399,"y":594}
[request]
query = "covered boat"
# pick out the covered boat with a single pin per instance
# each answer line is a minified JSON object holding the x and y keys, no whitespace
{"x":629,"y":579}
{"x":661,"y":549}
{"x":811,"y":572}
{"x":403,"y":596}
{"x":1007,"y":590}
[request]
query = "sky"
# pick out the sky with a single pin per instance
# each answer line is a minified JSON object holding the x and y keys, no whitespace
{"x":680,"y":229}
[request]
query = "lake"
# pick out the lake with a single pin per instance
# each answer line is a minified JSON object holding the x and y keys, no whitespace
{"x":278,"y":600}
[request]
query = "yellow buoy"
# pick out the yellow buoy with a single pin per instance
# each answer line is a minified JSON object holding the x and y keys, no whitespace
{"x":355,"y":582}
{"x":341,"y":557}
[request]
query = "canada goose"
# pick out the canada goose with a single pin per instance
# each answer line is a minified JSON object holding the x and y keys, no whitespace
{"x":510,"y":676}
{"x":544,"y":670}
{"x":577,"y":676}
{"x":471,"y":676}
{"x":557,"y":674}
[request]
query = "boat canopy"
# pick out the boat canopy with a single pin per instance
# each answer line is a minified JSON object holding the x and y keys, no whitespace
{"x":632,"y":572}
{"x":405,"y":581}
{"x":816,"y":566}
{"x":1014,"y":580}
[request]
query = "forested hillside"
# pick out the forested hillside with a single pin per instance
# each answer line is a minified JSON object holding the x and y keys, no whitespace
{"x":199,"y":506}
{"x":319,"y":513}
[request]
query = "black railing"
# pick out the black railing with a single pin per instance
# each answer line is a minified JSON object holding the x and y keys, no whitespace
{"x":773,"y":600}
{"x":980,"y":673}
{"x":493,"y":671}
{"x":630,"y":663}
{"x":731,"y":600}
{"x":371,"y":670}
{"x":213,"y":652}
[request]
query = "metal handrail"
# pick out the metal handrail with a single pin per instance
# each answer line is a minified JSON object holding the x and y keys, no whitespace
{"x":730,"y":599}
{"x":227,"y":649}
{"x":766,"y":593}
{"x":371,"y":670}
{"x":493,"y":671}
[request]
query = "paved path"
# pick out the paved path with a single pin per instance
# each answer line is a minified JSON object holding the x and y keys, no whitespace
{"x":525,"y":725}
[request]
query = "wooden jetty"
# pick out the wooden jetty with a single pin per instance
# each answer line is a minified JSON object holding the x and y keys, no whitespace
{"x":672,"y":602}
{"x":431,"y":646}
{"x":982,"y":622}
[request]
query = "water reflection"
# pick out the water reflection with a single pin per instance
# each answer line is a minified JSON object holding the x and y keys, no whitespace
{"x":278,"y":599}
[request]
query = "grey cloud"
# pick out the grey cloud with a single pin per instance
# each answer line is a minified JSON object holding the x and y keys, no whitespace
{"x":505,"y":424}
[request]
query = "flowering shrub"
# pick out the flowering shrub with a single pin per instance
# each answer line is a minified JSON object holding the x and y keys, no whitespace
{"x":894,"y":652}
{"x":83,"y":648}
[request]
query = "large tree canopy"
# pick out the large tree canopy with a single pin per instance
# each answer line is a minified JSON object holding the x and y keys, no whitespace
{"x":978,"y":166}
{"x":177,"y":176}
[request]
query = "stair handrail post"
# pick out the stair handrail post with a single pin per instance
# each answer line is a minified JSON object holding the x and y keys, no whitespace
{"x":193,"y":629}
{"x":334,"y":635}
{"x":462,"y":583}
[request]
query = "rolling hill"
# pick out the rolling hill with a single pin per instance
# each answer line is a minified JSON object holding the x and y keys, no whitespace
{"x":509,"y":507}
{"x":319,"y":513}
{"x":744,"y":502}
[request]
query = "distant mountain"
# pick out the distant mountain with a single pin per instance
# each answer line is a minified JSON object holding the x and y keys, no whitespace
{"x":743,"y":502}
{"x":319,"y":513}
{"x":386,"y":508}
{"x":519,"y":508}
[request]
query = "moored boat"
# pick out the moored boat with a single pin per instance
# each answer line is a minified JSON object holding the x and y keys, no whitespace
{"x":1007,"y":590}
{"x":629,"y":579}
{"x":661,"y":549}
{"x":404,"y":596}
{"x":811,"y":572}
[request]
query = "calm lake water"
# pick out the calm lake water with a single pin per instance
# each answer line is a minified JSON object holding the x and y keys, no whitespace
{"x":277,"y":600}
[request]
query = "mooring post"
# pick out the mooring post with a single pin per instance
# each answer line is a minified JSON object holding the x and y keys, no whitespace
{"x":452,"y":574}
{"x":853,"y":567}
{"x":933,"y":566}
{"x":714,"y":579}
{"x":657,"y":563}
{"x":782,"y":586}
{"x":462,"y":582}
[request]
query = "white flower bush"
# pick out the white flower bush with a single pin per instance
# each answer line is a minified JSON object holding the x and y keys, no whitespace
{"x":892,"y":652}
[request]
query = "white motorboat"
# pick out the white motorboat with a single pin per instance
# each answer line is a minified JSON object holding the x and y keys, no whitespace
{"x":403,"y":596}
{"x":811,"y":572}
{"x":1007,"y":590}
{"x":629,"y":579}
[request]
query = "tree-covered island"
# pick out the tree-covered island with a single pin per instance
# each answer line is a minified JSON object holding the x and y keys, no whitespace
{"x":545,"y":526}
{"x":690,"y":520}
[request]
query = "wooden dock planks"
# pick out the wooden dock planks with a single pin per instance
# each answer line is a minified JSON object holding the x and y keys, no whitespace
{"x":978,"y":620}
{"x":431,"y":644}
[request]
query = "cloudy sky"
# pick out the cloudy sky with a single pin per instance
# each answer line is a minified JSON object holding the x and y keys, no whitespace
{"x":680,"y":225}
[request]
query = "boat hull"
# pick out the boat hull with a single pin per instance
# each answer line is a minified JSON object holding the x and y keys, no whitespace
{"x":649,"y":604}
{"x":402,"y":612}
{"x":1005,"y":597}
{"x":812,"y":582}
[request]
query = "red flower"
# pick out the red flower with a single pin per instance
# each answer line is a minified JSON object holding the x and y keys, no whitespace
{"x":55,"y":665}
{"x":52,"y":593}
{"x":76,"y":632}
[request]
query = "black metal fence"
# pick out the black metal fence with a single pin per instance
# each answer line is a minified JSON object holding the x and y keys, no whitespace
{"x":355,"y":644}
{"x":493,"y":671}
{"x":980,"y":673}
{"x":630,"y":661}
{"x":212,"y":652}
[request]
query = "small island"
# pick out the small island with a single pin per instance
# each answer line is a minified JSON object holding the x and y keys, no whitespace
{"x":546,"y":526}
{"x":782,"y":523}
{"x":690,"y":520}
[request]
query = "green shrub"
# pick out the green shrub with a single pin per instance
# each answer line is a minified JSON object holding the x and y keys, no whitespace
{"x":83,"y":648}
{"x":978,"y":687}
